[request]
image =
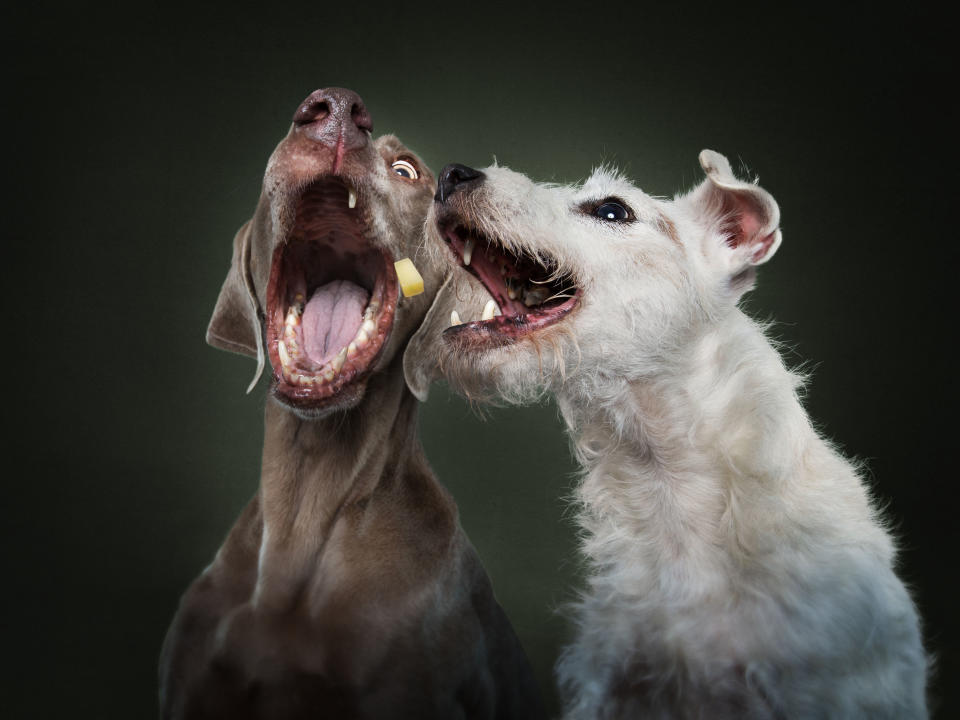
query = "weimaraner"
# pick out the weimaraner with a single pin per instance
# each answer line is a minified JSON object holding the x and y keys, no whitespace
{"x":347,"y":588}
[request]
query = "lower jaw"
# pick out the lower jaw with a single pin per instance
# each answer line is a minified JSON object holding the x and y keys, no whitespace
{"x":315,"y":408}
{"x":308,"y":386}
{"x":505,"y":330}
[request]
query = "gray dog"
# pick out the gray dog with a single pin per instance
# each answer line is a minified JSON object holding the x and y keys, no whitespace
{"x":347,"y":588}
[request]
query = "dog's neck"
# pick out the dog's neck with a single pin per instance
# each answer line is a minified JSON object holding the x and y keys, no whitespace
{"x":313,"y":469}
{"x":713,"y":458}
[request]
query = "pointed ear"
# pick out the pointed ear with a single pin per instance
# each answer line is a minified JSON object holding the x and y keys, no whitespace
{"x":422,"y":357}
{"x":237,"y":321}
{"x":745,"y":214}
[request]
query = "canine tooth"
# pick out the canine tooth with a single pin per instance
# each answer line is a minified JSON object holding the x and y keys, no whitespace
{"x":368,"y":326}
{"x":351,"y":350}
{"x":339,"y":360}
{"x":489,"y":310}
{"x":511,"y":292}
{"x":282,"y":351}
{"x":467,"y":250}
{"x":455,"y":318}
{"x":351,"y":198}
{"x":411,"y":281}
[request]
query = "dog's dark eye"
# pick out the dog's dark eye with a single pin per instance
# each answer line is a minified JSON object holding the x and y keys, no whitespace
{"x":612,"y":211}
{"x":405,"y":169}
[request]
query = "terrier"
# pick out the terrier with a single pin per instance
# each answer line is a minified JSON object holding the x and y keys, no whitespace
{"x":738,"y":566}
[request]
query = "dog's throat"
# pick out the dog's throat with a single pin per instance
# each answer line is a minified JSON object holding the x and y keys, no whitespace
{"x":332,"y":318}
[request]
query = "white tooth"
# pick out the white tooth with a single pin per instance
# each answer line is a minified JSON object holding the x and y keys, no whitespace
{"x":352,"y":198}
{"x":455,"y":319}
{"x":373,"y":306}
{"x":488,"y":310}
{"x":351,"y":350}
{"x":511,"y":293}
{"x":362,"y":338}
{"x":338,"y":361}
{"x":328,"y":374}
{"x":282,"y":351}
{"x":467,"y":251}
{"x":369,"y":326}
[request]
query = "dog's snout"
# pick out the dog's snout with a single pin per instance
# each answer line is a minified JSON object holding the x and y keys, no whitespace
{"x":455,"y":177}
{"x":334,"y":115}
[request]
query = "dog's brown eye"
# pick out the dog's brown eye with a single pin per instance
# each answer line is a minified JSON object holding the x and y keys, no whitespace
{"x":611,"y":211}
{"x":405,"y":169}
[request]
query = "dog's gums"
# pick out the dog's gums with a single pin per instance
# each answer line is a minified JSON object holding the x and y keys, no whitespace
{"x":529,"y":293}
{"x":331,"y":297}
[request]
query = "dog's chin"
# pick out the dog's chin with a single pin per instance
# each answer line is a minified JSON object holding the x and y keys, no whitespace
{"x":331,"y":302}
{"x":347,"y":399}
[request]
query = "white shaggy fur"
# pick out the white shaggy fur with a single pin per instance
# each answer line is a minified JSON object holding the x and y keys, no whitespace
{"x":739,"y":568}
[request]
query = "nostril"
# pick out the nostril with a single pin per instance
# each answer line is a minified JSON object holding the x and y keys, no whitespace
{"x":310,"y":112}
{"x":361,"y":118}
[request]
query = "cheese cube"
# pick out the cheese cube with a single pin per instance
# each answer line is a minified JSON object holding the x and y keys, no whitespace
{"x":411,"y":282}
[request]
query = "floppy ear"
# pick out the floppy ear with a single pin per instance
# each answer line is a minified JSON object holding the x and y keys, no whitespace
{"x":237,"y":321}
{"x":421,"y":359}
{"x":745,"y":214}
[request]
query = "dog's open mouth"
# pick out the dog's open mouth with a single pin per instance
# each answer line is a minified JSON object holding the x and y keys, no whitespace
{"x":331,"y":298}
{"x":529,"y":292}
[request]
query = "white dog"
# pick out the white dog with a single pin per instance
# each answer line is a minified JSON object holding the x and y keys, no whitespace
{"x":739,"y":568}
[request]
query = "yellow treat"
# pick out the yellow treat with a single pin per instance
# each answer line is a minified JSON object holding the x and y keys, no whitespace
{"x":411,"y":282}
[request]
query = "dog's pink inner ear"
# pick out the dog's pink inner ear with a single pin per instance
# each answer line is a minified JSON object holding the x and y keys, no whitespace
{"x":744,"y":222}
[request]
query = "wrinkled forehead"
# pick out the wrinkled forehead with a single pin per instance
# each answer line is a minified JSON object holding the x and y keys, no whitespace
{"x":390,"y":149}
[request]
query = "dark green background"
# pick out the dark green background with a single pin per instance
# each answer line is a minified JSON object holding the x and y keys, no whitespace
{"x":136,"y":148}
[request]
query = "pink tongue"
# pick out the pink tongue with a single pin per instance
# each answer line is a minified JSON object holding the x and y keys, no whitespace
{"x":331,"y":318}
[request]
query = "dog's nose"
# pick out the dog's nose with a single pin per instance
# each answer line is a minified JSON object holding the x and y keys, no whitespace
{"x":329,"y":114}
{"x":454,"y":177}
